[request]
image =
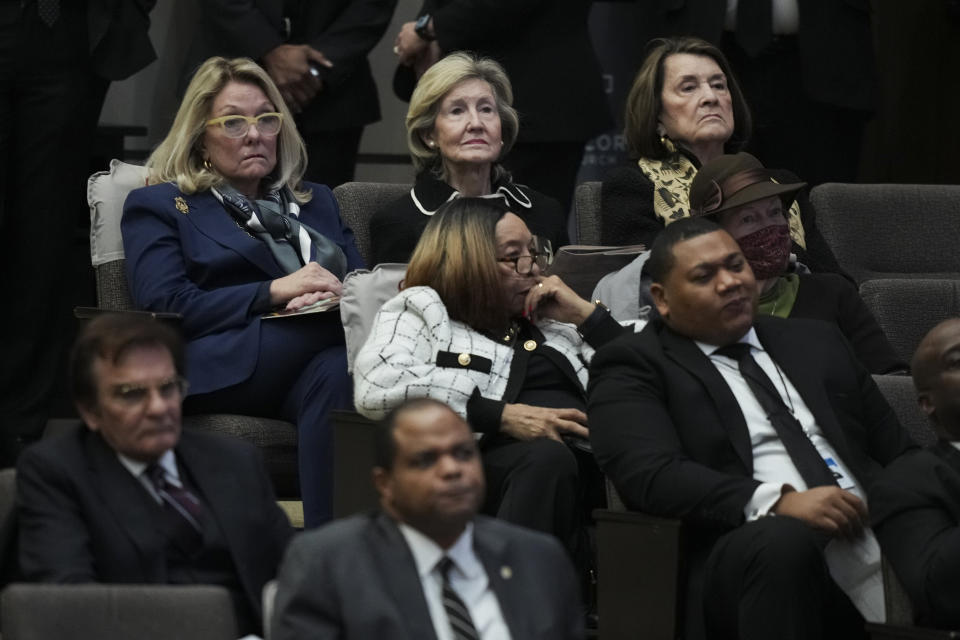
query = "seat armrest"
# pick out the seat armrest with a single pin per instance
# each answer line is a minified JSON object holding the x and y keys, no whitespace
{"x":87,"y":313}
{"x":893,"y":632}
{"x":639,"y":586}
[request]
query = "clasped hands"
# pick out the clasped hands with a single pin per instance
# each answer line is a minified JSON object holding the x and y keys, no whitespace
{"x":414,"y":51}
{"x":290,"y":67}
{"x":304,"y":286}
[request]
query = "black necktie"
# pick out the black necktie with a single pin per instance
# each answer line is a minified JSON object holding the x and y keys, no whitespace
{"x":460,"y":621}
{"x":182,"y":510}
{"x":49,"y":11}
{"x":754,"y":25}
{"x":805,"y":456}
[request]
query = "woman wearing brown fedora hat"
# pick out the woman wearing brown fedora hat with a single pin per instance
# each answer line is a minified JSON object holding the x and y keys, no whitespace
{"x":746,"y":201}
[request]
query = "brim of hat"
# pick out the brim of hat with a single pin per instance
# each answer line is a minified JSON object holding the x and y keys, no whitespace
{"x":760,"y":191}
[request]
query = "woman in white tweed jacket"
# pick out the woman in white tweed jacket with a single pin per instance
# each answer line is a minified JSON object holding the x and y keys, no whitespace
{"x":478,"y":327}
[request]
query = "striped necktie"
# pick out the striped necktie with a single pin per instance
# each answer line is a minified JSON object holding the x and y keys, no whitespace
{"x":182,"y":511}
{"x":460,"y":622}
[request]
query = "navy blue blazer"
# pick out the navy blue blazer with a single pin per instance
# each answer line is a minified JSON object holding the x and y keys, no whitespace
{"x":186,"y":254}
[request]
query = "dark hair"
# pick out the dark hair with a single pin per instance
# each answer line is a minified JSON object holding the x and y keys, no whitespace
{"x":661,"y":258}
{"x":385,"y":445}
{"x":457,"y":257}
{"x":109,"y":337}
{"x":645,"y":101}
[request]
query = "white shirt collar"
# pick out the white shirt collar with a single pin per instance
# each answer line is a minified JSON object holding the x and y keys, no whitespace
{"x":427,"y":553}
{"x":168,"y":462}
{"x":750,"y":338}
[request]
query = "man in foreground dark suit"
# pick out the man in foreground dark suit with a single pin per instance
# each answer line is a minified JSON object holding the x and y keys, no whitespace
{"x":915,"y":503}
{"x":784,"y":421}
{"x":129,"y":498}
{"x":426,"y":566}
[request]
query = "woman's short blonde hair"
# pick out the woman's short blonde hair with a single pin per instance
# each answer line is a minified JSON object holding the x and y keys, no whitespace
{"x":457,"y":257}
{"x":644,"y":102}
{"x":435,"y":84}
{"x":179,"y":158}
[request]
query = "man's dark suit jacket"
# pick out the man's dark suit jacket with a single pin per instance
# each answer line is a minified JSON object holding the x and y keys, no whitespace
{"x":669,"y":432}
{"x":85,"y":518}
{"x":117,"y":31}
{"x":344,"y":30}
{"x":915,"y":507}
{"x":835,"y":41}
{"x":356,"y":578}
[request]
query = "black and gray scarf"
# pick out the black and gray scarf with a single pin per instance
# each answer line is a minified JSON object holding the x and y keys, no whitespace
{"x":275,"y":220}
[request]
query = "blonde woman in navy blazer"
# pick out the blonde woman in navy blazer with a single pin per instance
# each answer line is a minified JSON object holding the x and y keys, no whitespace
{"x":203,"y":241}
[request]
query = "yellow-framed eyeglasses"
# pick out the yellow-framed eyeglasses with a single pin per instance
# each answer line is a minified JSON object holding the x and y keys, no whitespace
{"x":237,"y":126}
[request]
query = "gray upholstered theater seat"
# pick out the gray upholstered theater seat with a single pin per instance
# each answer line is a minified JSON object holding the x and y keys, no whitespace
{"x":891,"y":230}
{"x":106,"y":192}
{"x":359,"y":201}
{"x":586,"y":209}
{"x":902,"y":398}
{"x":907,"y":309}
{"x":116,"y":612}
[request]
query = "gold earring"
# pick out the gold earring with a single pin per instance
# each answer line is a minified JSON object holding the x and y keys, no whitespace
{"x":207,"y":165}
{"x":667,"y":143}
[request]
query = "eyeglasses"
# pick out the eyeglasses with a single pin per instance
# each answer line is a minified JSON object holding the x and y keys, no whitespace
{"x":524,"y":264}
{"x":135,"y":395}
{"x":236,"y":126}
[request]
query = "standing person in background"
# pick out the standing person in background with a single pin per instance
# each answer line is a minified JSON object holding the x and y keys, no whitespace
{"x":316,"y":53}
{"x":57,"y":59}
{"x":546,"y":51}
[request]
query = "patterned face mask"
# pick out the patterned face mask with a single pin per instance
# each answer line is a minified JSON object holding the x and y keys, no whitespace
{"x":767,"y":250}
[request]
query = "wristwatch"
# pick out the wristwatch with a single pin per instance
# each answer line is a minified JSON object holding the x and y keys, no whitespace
{"x":422,"y":28}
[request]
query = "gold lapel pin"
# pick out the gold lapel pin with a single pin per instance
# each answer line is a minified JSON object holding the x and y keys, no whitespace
{"x":506,"y":572}
{"x":181,"y":205}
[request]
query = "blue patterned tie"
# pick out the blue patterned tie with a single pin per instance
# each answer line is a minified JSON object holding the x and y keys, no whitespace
{"x":182,"y":511}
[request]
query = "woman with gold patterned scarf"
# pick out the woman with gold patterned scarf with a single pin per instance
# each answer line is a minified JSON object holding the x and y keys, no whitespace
{"x":684,"y":109}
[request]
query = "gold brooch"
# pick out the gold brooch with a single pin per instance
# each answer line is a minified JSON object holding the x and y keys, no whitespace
{"x":181,"y":205}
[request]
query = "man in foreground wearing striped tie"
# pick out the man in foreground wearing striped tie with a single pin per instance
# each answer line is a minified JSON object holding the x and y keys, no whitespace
{"x":426,"y":566}
{"x":130,"y":498}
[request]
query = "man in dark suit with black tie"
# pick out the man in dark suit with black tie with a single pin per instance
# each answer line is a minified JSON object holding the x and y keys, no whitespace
{"x":722,"y":419}
{"x":130,"y":498}
{"x":316,"y":53}
{"x":915,"y":503}
{"x":426,"y":566}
